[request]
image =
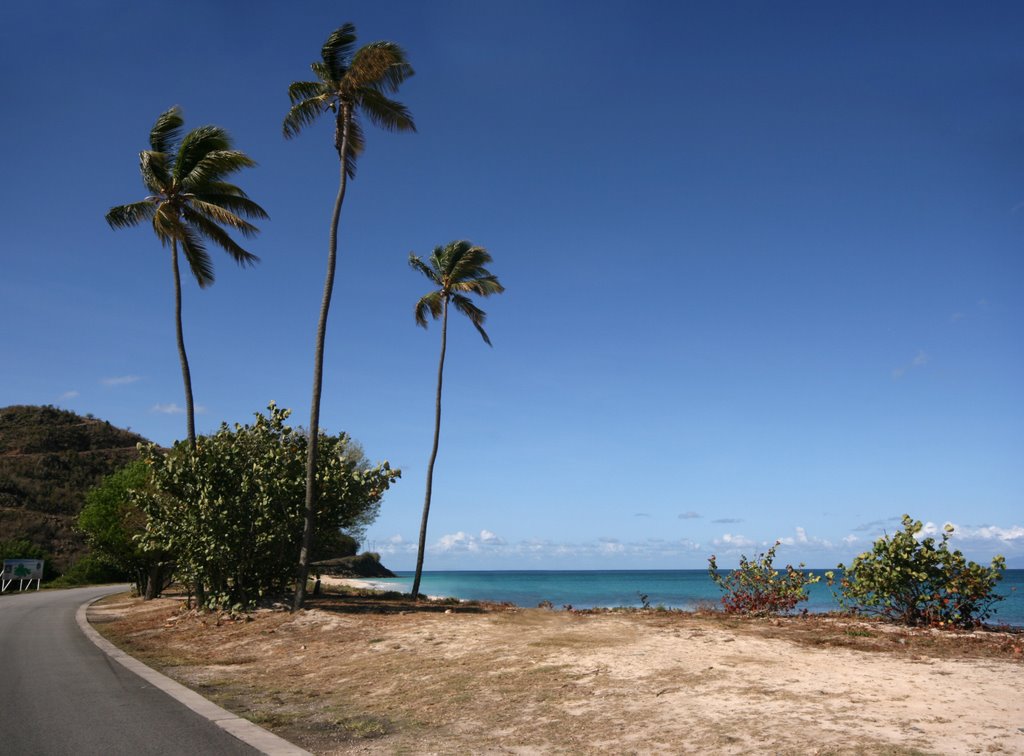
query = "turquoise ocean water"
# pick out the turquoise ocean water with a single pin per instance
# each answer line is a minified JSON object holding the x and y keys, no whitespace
{"x":679,"y":589}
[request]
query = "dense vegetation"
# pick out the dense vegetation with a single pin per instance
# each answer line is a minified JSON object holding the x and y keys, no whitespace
{"x":230,"y":510}
{"x":49,"y":458}
{"x":906,"y":578}
{"x":916,"y":581}
{"x":758,"y":589}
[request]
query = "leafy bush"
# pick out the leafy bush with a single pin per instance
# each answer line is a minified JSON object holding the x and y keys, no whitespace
{"x":113,"y":524}
{"x":919,"y":582}
{"x":756,"y":588}
{"x":231,"y":509}
{"x":89,"y":570}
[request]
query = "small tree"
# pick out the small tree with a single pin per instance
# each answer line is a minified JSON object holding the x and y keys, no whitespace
{"x":113,"y":524}
{"x":756,"y":588}
{"x":232,"y":509}
{"x":919,"y":582}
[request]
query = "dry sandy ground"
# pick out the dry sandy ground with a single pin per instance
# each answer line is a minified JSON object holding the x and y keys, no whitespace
{"x":372,"y":676}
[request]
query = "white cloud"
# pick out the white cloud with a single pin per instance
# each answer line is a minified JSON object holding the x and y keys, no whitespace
{"x":1012,"y":535}
{"x":173,"y":409}
{"x":69,"y":394}
{"x":920,"y":359}
{"x":489,"y":544}
{"x":689,"y":516}
{"x":167,"y":409}
{"x":734,"y":541}
{"x":801,"y":535}
{"x":850,"y":539}
{"x":120,"y":380}
{"x":491,"y":539}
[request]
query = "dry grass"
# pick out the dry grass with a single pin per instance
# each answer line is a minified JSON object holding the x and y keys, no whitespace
{"x":384,"y":675}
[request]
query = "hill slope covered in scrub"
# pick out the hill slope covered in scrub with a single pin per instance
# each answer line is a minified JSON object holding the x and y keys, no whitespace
{"x":49,"y":458}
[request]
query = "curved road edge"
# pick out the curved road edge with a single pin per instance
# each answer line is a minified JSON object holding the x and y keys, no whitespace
{"x":252,"y":734}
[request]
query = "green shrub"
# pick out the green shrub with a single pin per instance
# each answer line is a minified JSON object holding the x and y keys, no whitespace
{"x":756,"y":588}
{"x":90,"y":570}
{"x":919,"y":582}
{"x":231,"y":509}
{"x":114,"y":523}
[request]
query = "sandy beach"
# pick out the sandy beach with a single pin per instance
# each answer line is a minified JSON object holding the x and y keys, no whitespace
{"x":364,"y":676}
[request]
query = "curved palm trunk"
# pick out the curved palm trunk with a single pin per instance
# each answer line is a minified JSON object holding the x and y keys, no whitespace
{"x":318,"y":371}
{"x":433,"y":457}
{"x":186,"y":375}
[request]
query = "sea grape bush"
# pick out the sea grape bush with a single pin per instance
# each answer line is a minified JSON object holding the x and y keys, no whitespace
{"x":231,"y":508}
{"x":113,"y":523}
{"x":918,"y":581}
{"x":757,"y":588}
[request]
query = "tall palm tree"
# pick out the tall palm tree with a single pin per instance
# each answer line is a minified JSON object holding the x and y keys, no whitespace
{"x":189,"y":204}
{"x":349,"y":82}
{"x":457,"y":269}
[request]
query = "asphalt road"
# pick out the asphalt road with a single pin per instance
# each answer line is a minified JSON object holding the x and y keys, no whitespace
{"x":59,"y":694}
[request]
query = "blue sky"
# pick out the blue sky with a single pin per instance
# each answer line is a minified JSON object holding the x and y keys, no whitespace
{"x":763,"y":263}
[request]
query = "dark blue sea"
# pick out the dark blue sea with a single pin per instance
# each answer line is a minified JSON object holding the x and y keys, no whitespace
{"x":675,"y":589}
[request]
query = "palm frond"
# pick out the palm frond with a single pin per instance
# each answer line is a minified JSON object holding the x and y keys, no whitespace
{"x":219,"y":215}
{"x":236,"y":203}
{"x":166,"y":225}
{"x":224,"y":187}
{"x":356,"y":142}
{"x":332,"y":83}
{"x":439,"y":261}
{"x":218,"y":236}
{"x":167,"y":130}
{"x":432,"y":303}
{"x":125,"y":216}
{"x":196,"y":255}
{"x":381,"y":65}
{"x":302,"y":114}
{"x":306,"y":90}
{"x":466,"y":260}
{"x":214,"y":166}
{"x":484,"y":285}
{"x":384,"y":112}
{"x":156,"y":171}
{"x":476,"y":316}
{"x":196,"y":145}
{"x":337,"y":50}
{"x":417,"y":264}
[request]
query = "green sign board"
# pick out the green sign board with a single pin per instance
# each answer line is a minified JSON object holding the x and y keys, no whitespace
{"x":23,"y":569}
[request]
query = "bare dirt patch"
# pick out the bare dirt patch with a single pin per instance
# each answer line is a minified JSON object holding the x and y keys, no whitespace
{"x":384,"y":675}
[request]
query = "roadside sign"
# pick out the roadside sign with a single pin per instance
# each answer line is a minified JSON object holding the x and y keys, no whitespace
{"x":22,"y":570}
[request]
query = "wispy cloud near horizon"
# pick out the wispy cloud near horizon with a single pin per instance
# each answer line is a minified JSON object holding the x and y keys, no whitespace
{"x":173,"y":409}
{"x":120,"y":380}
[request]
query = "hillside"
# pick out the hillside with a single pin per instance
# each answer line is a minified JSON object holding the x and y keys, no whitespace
{"x":49,"y":458}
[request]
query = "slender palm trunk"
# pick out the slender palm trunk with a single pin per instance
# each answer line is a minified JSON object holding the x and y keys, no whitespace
{"x":186,"y":375}
{"x":433,"y":456}
{"x":318,"y":371}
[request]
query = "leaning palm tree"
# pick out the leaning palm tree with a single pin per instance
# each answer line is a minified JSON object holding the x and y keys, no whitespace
{"x":348,"y":82}
{"x":457,"y":269}
{"x":189,"y":204}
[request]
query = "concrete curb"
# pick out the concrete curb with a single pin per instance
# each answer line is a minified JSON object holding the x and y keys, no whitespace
{"x":252,"y":734}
